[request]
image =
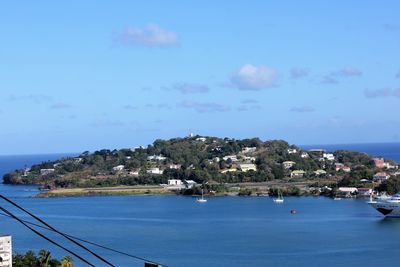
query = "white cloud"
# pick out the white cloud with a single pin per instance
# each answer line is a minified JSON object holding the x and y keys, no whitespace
{"x":204,"y":107}
{"x":296,"y":73}
{"x":191,"y":88}
{"x":149,"y":35}
{"x":250,"y":77}
{"x":60,"y":105}
{"x":302,"y":109}
{"x":349,"y":71}
{"x":385,"y":92}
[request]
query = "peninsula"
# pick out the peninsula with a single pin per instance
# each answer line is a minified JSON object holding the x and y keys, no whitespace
{"x":219,"y":165}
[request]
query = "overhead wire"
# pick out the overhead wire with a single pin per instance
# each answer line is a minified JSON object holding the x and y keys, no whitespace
{"x":45,"y":237}
{"x":55,"y":230}
{"x":93,"y":243}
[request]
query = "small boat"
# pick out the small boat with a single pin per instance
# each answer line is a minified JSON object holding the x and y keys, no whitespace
{"x":280,"y":198}
{"x":337,"y":198}
{"x":202,"y":199}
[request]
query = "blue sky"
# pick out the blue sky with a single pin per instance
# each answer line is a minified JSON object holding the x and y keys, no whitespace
{"x":85,"y":75}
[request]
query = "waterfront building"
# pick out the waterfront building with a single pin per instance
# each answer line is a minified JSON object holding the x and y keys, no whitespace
{"x":5,"y":251}
{"x":364,"y":191}
{"x":348,"y":189}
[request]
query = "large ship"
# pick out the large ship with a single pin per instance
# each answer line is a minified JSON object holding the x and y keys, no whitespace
{"x":390,"y":207}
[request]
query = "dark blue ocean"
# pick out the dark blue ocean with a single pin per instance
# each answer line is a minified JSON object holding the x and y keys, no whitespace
{"x":225,"y":231}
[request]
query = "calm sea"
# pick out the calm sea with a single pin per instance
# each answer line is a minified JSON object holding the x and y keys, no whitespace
{"x":225,"y":231}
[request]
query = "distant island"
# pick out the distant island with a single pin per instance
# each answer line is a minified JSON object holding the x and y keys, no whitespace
{"x":218,"y":165}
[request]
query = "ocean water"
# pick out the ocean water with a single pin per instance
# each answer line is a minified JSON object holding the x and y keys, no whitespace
{"x":387,"y":150}
{"x":225,"y":231}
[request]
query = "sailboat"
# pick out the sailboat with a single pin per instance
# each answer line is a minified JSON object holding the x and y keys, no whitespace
{"x":202,"y":199}
{"x":280,"y":197}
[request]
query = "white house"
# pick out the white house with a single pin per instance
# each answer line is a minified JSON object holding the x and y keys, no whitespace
{"x":202,"y":139}
{"x":348,"y":189}
{"x":175,"y":184}
{"x":249,"y":149}
{"x":134,"y":173}
{"x":233,"y":158}
{"x":249,"y":159}
{"x":156,"y":157}
{"x":245,"y":167}
{"x":118,"y":168}
{"x":291,"y":150}
{"x":288,"y":164}
{"x":174,"y":166}
{"x":329,"y":156}
{"x":304,"y":155}
{"x":190,"y":183}
{"x":46,"y":171}
{"x":154,"y":170}
{"x":297,"y":174}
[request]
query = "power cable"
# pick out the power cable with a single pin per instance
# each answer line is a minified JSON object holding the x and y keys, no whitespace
{"x":45,"y":237}
{"x":58,"y":232}
{"x":94,"y":244}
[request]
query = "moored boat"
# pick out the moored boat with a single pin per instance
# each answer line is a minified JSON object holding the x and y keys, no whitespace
{"x":389,"y":207}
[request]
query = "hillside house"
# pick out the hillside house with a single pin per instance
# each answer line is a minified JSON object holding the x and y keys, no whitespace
{"x":233,"y":158}
{"x":288,"y":164}
{"x":156,"y":157}
{"x":381,"y":176}
{"x":319,"y":173}
{"x":118,"y":168}
{"x":297,"y":174}
{"x":249,"y":149}
{"x":245,"y":167}
{"x":46,"y":171}
{"x":155,"y":170}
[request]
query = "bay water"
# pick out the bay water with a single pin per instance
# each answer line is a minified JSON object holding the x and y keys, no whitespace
{"x":225,"y":231}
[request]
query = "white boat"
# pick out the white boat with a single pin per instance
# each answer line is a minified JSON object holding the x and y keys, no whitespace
{"x":280,"y":198}
{"x":390,"y":207}
{"x":202,"y":199}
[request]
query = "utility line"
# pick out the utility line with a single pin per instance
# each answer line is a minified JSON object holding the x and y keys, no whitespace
{"x":92,"y":243}
{"x":45,"y":237}
{"x":55,"y":230}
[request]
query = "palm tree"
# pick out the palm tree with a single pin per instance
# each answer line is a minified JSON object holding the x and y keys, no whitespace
{"x":44,"y":258}
{"x":67,"y":262}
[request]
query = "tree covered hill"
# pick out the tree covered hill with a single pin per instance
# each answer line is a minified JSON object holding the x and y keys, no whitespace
{"x":198,"y":158}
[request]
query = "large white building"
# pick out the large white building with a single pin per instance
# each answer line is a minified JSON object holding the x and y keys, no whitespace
{"x":5,"y":251}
